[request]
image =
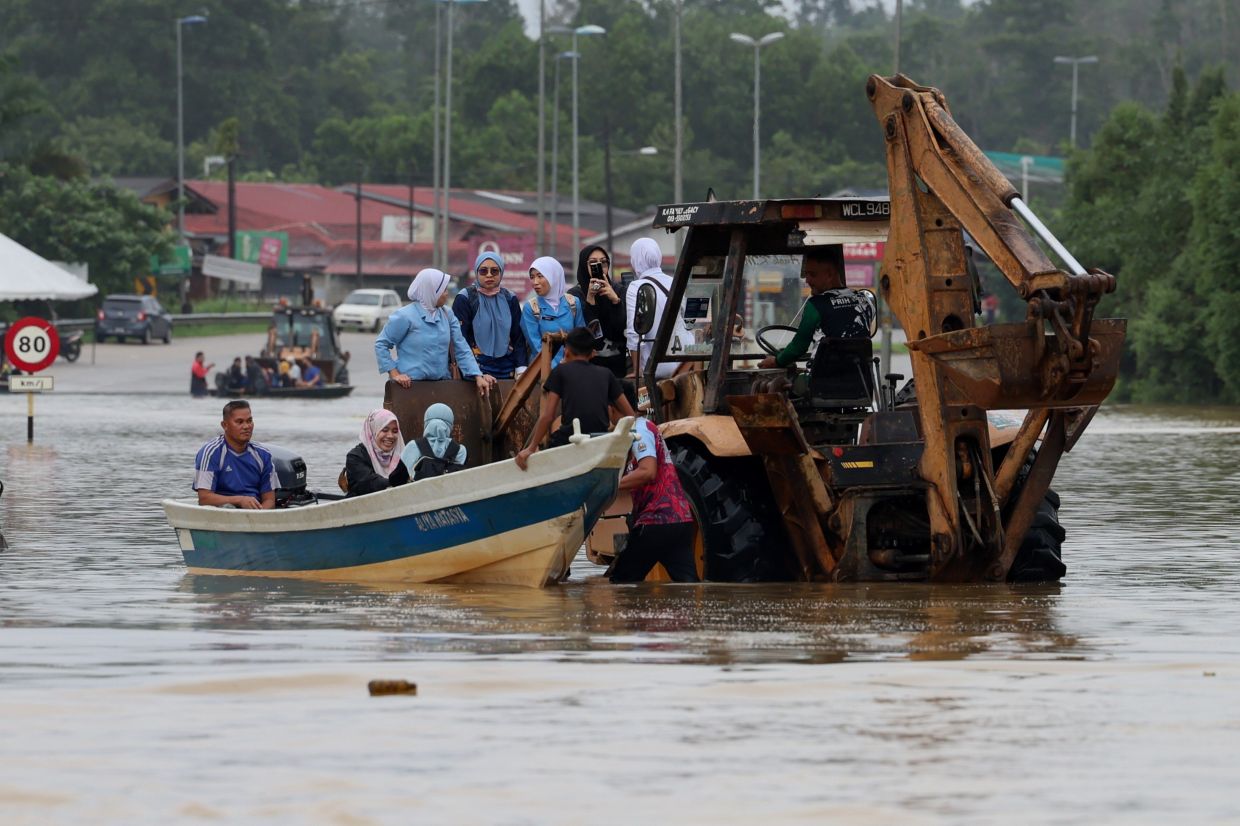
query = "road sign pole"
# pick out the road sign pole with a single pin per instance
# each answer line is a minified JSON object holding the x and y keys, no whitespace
{"x":30,"y":418}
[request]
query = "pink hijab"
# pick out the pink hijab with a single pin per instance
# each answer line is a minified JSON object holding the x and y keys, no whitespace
{"x":383,"y":463}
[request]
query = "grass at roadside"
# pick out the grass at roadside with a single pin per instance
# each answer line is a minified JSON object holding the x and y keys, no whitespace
{"x":214,"y":328}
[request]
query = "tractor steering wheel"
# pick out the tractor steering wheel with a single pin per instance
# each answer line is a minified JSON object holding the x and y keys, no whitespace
{"x":769,"y":346}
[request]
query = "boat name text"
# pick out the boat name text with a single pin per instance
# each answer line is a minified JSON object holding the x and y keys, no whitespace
{"x":445,"y":518}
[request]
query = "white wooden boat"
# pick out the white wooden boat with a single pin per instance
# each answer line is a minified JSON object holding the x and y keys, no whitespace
{"x":494,"y":524}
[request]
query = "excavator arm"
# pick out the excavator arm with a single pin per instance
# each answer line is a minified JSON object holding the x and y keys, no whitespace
{"x":1059,"y":363}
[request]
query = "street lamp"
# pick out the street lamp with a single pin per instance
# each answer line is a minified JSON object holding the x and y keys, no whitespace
{"x":192,"y":20}
{"x":580,"y":30}
{"x":542,"y":124}
{"x":555,"y":153}
{"x":447,"y":133}
{"x":1076,"y":62}
{"x":757,"y":45}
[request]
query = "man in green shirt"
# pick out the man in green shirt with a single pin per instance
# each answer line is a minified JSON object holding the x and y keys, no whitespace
{"x":833,"y":308}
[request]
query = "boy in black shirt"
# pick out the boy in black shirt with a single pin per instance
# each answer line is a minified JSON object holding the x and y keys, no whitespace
{"x":583,"y":391}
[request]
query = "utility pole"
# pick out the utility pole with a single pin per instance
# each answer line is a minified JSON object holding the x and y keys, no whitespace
{"x":884,"y":311}
{"x":435,"y":148}
{"x":361,"y":174}
{"x":678,"y":190}
{"x":542,"y":125}
{"x":1076,"y":63}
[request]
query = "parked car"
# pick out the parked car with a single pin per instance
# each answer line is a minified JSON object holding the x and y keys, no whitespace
{"x":133,"y":316}
{"x":366,"y":309}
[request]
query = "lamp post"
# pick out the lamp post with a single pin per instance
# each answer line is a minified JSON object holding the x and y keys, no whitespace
{"x":447,"y":133}
{"x":580,"y":30}
{"x":607,"y":152}
{"x":1076,"y":62}
{"x":192,"y":20}
{"x":678,"y":191}
{"x":757,"y":45}
{"x":555,"y":154}
{"x":435,"y":165}
{"x":542,"y":124}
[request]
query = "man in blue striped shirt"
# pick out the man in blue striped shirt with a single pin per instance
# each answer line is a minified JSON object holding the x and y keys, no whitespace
{"x":232,"y":470}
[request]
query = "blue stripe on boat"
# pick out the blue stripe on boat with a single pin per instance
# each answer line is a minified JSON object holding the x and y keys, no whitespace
{"x":402,"y":537}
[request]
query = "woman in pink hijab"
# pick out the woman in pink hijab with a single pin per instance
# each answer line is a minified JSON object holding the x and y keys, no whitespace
{"x":374,"y":464}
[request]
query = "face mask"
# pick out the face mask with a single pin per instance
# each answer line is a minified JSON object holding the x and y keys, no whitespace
{"x":437,"y":434}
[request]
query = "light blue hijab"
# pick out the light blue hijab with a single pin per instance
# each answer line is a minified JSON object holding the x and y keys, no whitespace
{"x":493,"y":323}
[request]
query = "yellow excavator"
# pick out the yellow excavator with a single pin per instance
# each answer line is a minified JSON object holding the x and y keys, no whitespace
{"x":832,"y":472}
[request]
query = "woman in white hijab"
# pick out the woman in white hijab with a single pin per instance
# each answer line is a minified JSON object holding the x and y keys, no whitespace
{"x":550,"y":309}
{"x":422,"y":333}
{"x":647,"y":261}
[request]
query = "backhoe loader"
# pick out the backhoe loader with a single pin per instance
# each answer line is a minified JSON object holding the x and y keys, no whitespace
{"x":837,"y":473}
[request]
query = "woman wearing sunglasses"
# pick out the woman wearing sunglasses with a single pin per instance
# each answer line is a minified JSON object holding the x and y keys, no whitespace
{"x":490,"y":317}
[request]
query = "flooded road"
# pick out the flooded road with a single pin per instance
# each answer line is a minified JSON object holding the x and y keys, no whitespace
{"x":132,"y":691}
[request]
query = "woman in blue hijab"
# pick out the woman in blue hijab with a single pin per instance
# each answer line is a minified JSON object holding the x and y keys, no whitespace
{"x":490,"y":317}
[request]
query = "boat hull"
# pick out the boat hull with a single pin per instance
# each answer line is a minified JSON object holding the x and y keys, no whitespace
{"x":326,"y":391}
{"x":492,"y":524}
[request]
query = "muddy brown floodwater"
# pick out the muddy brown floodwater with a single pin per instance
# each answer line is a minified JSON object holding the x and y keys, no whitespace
{"x":134,"y":692}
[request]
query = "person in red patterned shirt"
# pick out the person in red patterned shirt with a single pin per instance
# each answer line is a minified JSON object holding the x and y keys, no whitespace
{"x":661,"y":524}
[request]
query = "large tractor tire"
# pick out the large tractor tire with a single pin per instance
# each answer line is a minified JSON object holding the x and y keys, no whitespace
{"x":1040,"y":558}
{"x":741,"y":543}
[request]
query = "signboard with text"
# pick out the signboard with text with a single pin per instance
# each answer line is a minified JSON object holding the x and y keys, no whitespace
{"x":397,"y":230}
{"x":267,"y":249}
{"x":215,"y":266}
{"x":864,"y":251}
{"x":178,"y":263}
{"x":30,"y":384}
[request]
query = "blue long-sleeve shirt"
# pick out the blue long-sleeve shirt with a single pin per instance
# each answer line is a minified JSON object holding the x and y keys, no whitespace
{"x":422,"y":345}
{"x":550,"y":321}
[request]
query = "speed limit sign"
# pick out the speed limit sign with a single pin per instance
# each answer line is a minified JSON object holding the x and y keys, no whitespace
{"x":32,"y":344}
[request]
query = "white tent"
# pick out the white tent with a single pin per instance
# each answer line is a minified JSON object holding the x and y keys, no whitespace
{"x":24,"y":275}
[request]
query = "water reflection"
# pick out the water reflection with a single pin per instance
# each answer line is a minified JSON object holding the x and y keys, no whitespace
{"x":719,"y":624}
{"x":1148,"y":503}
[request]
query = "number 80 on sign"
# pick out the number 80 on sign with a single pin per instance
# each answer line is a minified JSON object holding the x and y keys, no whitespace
{"x":32,"y":344}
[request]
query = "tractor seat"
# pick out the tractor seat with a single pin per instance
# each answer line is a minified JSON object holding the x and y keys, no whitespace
{"x":840,"y":375}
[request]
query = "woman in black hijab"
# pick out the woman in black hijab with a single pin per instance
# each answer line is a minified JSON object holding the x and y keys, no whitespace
{"x":603,"y":307}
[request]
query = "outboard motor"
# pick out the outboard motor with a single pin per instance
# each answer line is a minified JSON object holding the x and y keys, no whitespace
{"x":291,"y":473}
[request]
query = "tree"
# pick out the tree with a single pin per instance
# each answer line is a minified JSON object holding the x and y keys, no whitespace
{"x":83,"y":222}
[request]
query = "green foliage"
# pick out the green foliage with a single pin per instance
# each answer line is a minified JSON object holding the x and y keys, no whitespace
{"x":1155,"y":202}
{"x":114,"y":146}
{"x":83,"y":222}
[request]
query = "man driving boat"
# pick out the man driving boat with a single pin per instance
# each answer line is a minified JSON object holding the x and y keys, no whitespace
{"x":233,"y":470}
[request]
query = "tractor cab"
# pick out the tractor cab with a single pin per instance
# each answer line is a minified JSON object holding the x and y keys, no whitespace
{"x":742,"y":263}
{"x":305,"y":332}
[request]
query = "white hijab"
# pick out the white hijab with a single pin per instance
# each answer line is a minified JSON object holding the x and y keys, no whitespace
{"x":646,"y":257}
{"x":426,"y":288}
{"x":553,"y":271}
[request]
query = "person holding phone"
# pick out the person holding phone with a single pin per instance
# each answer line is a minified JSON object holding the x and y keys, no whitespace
{"x":601,"y":303}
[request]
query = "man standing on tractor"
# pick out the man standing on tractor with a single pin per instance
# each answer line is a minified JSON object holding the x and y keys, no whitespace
{"x":834,"y":308}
